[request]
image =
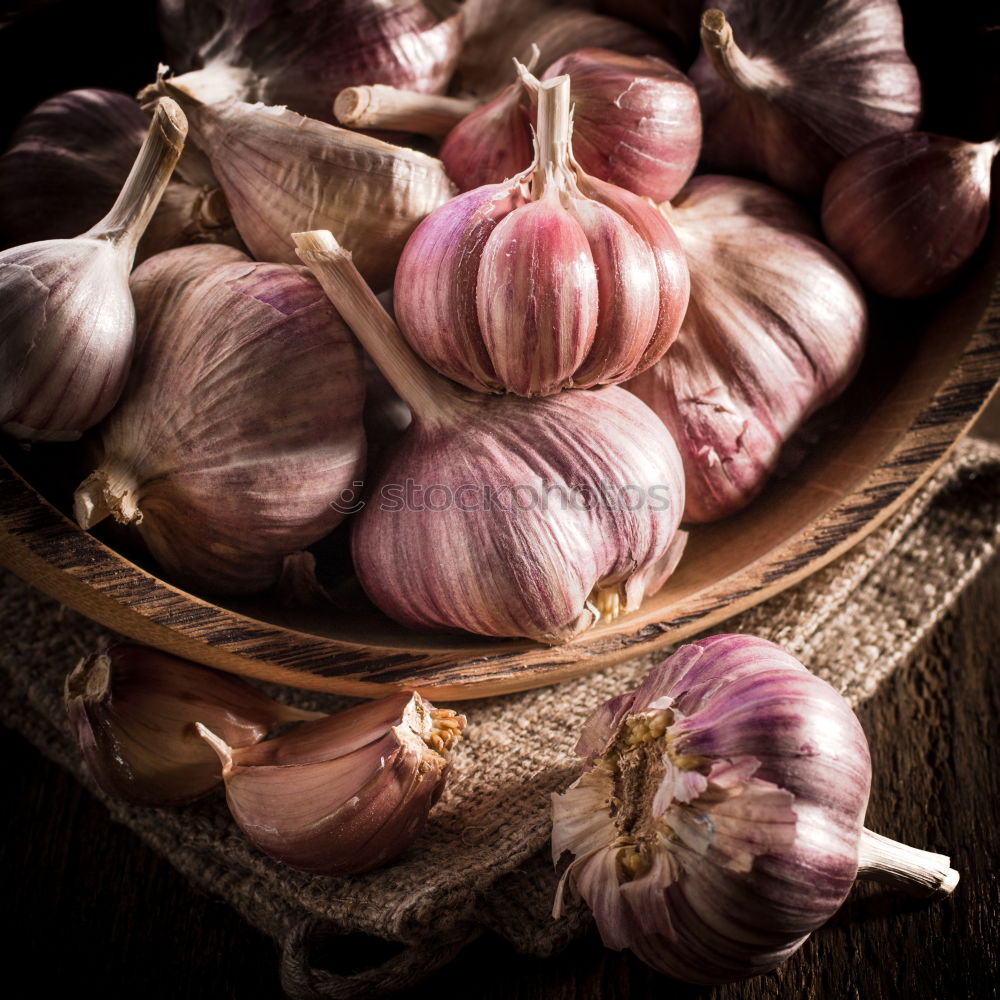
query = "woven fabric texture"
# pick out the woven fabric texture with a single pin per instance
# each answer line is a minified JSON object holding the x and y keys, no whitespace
{"x":482,"y":862}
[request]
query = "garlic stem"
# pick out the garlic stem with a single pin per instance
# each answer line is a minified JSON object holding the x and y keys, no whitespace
{"x":111,"y":489}
{"x":920,"y":873}
{"x":124,"y":225}
{"x":726,"y":56}
{"x":381,"y":106}
{"x":428,"y":395}
{"x":555,"y":126}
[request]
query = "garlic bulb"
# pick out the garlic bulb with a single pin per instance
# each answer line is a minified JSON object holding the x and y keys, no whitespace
{"x":719,"y":817}
{"x":908,"y":210}
{"x":775,"y":329}
{"x":496,"y":36}
{"x":636,"y":124}
{"x":343,"y":794}
{"x":505,"y":516}
{"x":67,"y":322}
{"x":133,"y":712}
{"x":282,"y":172}
{"x":67,"y":162}
{"x":301,"y":53}
{"x":788,"y":88}
{"x":636,"y":120}
{"x":240,"y":424}
{"x":550,"y":280}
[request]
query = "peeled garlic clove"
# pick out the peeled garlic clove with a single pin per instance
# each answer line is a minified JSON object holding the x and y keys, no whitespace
{"x":636,"y":120}
{"x":775,"y":329}
{"x":282,"y":172}
{"x":133,"y":712}
{"x":501,"y":288}
{"x":67,"y":162}
{"x":501,"y":515}
{"x":241,"y":422}
{"x":490,"y":144}
{"x":788,"y":90}
{"x":67,"y":322}
{"x":346,"y":793}
{"x":300,"y":55}
{"x":719,"y":817}
{"x":908,"y":211}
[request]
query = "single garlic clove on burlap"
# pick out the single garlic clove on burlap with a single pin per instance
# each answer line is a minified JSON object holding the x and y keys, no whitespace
{"x":346,"y":793}
{"x":133,"y":711}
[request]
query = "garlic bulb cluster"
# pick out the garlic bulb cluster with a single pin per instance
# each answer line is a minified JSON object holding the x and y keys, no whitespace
{"x":68,"y":160}
{"x":343,"y":794}
{"x":907,"y":211}
{"x":240,"y":424}
{"x":719,"y":817}
{"x":550,"y":280}
{"x":775,"y":330}
{"x":500,"y":515}
{"x":281,"y":172}
{"x":133,"y":712}
{"x":789,"y":87}
{"x":301,"y":53}
{"x":67,"y":321}
{"x":636,"y":124}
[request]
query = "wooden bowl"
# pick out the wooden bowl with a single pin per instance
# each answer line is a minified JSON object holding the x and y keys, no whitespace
{"x":930,"y":369}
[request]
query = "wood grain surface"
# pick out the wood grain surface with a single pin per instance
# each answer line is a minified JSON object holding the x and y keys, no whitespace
{"x":86,"y":901}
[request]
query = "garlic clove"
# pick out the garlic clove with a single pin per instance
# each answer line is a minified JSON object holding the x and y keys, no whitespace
{"x":787,"y":91}
{"x":536,"y":297}
{"x":67,"y":321}
{"x":775,"y":329}
{"x":133,"y":711}
{"x":281,"y":172}
{"x":344,"y":794}
{"x":240,"y":424}
{"x":907,"y":211}
{"x":731,"y":787}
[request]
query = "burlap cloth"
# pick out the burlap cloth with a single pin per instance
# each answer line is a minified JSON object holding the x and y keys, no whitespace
{"x":482,"y":862}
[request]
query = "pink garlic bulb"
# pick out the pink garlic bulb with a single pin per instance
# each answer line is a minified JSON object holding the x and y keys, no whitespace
{"x":775,"y":330}
{"x":551,"y":280}
{"x":790,"y":87}
{"x":719,"y":817}
{"x":500,"y":515}
{"x":240,"y":423}
{"x":281,"y":172}
{"x":636,"y":120}
{"x":69,"y":158}
{"x":301,"y":53}
{"x":907,"y":211}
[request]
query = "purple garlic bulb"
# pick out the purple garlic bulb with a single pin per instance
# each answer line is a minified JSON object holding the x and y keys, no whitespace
{"x":241,"y":422}
{"x":719,"y":819}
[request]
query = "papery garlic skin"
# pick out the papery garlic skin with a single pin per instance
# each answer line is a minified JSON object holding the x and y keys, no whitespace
{"x":67,"y":321}
{"x":636,"y":120}
{"x":281,"y":172}
{"x":133,"y":711}
{"x":907,"y":211}
{"x":241,"y":423}
{"x":718,"y":820}
{"x":69,"y":158}
{"x":775,"y":329}
{"x":500,"y":515}
{"x":551,"y":280}
{"x":790,"y":87}
{"x":301,"y":53}
{"x":344,"y":794}
{"x":514,"y":520}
